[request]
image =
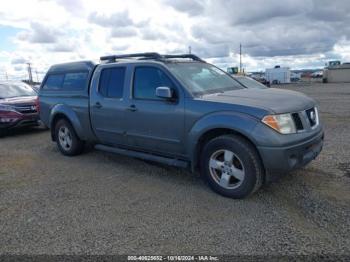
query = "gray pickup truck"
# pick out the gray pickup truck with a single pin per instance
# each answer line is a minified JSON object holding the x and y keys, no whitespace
{"x":181,"y":111}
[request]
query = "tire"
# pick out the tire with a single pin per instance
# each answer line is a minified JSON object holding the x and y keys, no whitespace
{"x":231,"y":166}
{"x":67,"y":140}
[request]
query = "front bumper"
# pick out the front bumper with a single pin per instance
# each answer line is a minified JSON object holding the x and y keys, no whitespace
{"x":280,"y":160}
{"x":27,"y":120}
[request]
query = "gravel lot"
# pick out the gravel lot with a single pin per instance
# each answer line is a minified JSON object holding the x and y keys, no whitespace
{"x":100,"y":203}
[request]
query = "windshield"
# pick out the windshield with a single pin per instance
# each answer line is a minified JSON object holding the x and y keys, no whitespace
{"x":249,"y":82}
{"x":202,"y":78}
{"x":13,"y":90}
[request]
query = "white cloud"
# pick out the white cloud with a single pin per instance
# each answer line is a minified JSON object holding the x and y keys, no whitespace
{"x":127,"y":31}
{"x":40,"y":33}
{"x":118,"y":19}
{"x":19,"y":60}
{"x":193,"y":7}
{"x":294,"y":33}
{"x":68,"y":46}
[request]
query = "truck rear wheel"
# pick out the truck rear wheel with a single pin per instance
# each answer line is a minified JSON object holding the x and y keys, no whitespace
{"x":231,"y":166}
{"x":67,"y":140}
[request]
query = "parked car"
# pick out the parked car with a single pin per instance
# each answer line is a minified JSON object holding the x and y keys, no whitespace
{"x":182,"y":111}
{"x":36,"y":87}
{"x":19,"y":106}
{"x":249,"y":82}
{"x":263,"y":81}
{"x":260,"y":79}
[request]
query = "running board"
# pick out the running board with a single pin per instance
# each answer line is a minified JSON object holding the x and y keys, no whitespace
{"x":144,"y":156}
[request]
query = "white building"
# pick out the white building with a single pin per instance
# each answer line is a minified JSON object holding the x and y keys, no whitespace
{"x":278,"y":75}
{"x":338,"y":73}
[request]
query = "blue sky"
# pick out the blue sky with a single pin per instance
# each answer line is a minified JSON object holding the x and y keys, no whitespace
{"x":7,"y":34}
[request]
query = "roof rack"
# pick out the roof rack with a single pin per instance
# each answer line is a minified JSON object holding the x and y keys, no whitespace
{"x":143,"y":56}
{"x":191,"y":56}
{"x":112,"y":58}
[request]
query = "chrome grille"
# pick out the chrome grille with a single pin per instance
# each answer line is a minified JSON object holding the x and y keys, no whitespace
{"x":26,"y":109}
{"x":312,"y":116}
{"x":297,"y":121}
{"x":307,"y":119}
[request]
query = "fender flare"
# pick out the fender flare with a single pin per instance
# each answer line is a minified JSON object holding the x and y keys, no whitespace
{"x":67,"y":112}
{"x":237,"y":122}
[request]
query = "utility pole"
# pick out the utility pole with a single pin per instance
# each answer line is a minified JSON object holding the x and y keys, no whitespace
{"x":37,"y":78}
{"x":30,"y":76}
{"x":189,"y":49}
{"x":240,"y":57}
{"x":7,"y":77}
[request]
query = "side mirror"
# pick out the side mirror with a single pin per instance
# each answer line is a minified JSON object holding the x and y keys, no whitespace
{"x":164,"y":92}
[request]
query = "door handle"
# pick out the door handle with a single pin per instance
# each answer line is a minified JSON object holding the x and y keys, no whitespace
{"x":132,"y":108}
{"x":98,"y":105}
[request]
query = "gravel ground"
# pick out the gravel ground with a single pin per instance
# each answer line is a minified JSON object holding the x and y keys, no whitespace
{"x":98,"y":203}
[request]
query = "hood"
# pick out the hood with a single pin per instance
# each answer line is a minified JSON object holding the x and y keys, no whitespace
{"x":20,"y":100}
{"x":271,"y":99}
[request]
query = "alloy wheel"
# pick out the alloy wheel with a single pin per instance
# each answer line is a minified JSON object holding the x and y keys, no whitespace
{"x":226,"y":169}
{"x":65,"y":138}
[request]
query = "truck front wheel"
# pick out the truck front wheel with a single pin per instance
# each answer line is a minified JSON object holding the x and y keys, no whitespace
{"x":67,"y":140}
{"x":231,"y":166}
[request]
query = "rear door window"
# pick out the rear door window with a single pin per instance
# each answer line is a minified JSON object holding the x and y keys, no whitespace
{"x":54,"y":81}
{"x":112,"y":82}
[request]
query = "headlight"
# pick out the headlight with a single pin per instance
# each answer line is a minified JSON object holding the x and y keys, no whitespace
{"x":8,"y":114}
{"x":6,"y":108}
{"x":282,"y":123}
